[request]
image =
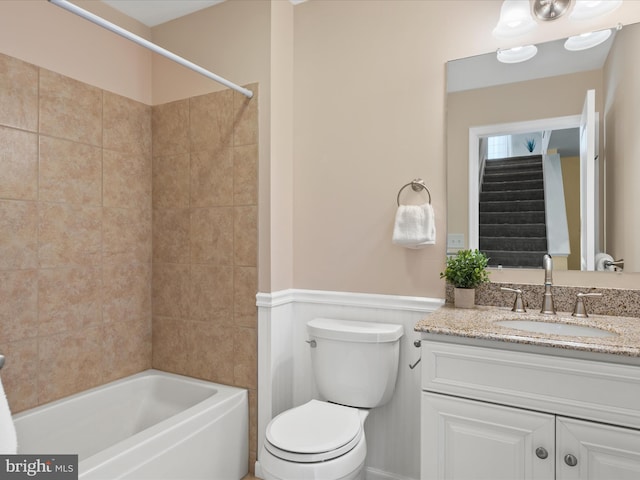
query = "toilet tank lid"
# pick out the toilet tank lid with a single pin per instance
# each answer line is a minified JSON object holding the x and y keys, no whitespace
{"x":354,"y":331}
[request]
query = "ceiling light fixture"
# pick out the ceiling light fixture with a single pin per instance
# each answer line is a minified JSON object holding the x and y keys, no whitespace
{"x":517,"y":54}
{"x":546,"y":10}
{"x":588,"y":9}
{"x":587,"y":40}
{"x":515,"y":19}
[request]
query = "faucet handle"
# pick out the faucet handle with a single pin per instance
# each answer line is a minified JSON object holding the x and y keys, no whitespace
{"x":580,"y":310}
{"x":518,"y":304}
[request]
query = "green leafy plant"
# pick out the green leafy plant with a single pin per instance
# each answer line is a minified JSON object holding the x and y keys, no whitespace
{"x":468,"y":269}
{"x":530,"y":144}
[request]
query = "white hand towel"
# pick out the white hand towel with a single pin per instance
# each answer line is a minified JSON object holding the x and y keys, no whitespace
{"x":601,"y":259}
{"x":8,"y":441}
{"x":415,"y":226}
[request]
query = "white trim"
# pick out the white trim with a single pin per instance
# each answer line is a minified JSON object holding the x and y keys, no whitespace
{"x":349,"y":299}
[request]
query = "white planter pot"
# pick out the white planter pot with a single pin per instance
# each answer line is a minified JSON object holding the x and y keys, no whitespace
{"x":464,"y":297}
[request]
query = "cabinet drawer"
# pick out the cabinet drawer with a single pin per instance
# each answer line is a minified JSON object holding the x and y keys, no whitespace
{"x":593,"y":390}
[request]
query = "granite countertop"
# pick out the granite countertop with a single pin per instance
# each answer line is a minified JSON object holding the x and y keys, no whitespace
{"x":480,"y":323}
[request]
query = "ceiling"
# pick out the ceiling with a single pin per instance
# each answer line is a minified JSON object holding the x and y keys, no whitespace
{"x":155,"y":12}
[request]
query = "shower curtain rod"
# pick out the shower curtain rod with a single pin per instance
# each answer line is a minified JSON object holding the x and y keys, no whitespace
{"x":149,"y":45}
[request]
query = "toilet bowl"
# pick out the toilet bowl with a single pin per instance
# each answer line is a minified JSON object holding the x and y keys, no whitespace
{"x":355,"y":365}
{"x":317,"y":440}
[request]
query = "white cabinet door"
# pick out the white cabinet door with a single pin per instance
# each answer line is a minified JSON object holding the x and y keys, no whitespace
{"x":600,"y":452}
{"x":470,"y":440}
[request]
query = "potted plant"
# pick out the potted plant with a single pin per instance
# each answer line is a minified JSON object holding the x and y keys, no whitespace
{"x":530,"y":144}
{"x":466,"y":271}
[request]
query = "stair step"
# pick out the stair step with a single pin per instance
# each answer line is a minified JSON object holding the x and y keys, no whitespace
{"x":504,"y":230}
{"x":512,"y":185}
{"x":524,"y":166}
{"x":511,"y":244}
{"x":515,"y":259}
{"x":512,"y":218}
{"x":512,"y":176}
{"x":516,"y":160}
{"x":512,"y":206}
{"x":512,"y":195}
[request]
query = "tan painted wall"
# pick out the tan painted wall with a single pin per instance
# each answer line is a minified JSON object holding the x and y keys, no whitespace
{"x":571,"y":182}
{"x":369,"y":117}
{"x":623,"y":150}
{"x":46,"y":35}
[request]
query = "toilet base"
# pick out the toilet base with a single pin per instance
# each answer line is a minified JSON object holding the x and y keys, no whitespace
{"x":349,"y":466}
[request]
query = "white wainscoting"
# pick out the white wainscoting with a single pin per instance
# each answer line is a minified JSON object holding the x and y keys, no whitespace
{"x":285,"y":379}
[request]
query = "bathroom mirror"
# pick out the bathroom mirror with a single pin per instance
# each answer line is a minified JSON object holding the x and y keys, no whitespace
{"x":484,"y":95}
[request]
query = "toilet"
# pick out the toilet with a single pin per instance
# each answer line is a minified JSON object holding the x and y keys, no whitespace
{"x":355,"y":366}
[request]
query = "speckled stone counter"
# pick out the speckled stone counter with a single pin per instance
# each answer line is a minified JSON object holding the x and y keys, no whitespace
{"x":480,"y":323}
{"x":614,"y":301}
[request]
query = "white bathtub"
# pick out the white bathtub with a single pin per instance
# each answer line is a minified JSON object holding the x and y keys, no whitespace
{"x":152,"y":425}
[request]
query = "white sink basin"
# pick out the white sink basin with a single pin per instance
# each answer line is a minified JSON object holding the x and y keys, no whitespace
{"x":556,"y":328}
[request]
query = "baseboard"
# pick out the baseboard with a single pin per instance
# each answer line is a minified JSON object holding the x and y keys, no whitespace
{"x":375,"y":474}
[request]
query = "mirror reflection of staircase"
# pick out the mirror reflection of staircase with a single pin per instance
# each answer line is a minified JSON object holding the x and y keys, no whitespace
{"x":512,"y":226}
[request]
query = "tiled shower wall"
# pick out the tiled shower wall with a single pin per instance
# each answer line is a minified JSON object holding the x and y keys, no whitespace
{"x":82,"y":200}
{"x":75,"y":235}
{"x":205,"y":160}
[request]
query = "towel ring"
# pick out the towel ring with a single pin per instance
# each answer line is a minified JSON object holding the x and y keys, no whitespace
{"x":417,"y":185}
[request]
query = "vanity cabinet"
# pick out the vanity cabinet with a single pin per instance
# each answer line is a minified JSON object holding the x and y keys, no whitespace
{"x":494,"y":414}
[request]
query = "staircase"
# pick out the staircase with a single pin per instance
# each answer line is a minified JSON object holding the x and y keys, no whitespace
{"x":512,"y":225}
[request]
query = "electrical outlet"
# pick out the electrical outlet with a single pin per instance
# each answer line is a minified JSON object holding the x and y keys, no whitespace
{"x":455,"y":240}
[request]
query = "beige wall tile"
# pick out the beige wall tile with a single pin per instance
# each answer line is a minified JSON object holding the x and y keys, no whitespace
{"x":170,"y":287}
{"x":171,"y":230}
{"x":246,"y":235}
{"x":126,"y":235}
{"x":212,"y":178}
{"x":171,"y":181}
{"x":70,"y":362}
{"x":211,"y":294}
{"x":127,"y":180}
{"x":127,"y":348}
{"x":127,"y":125}
{"x":18,"y":164}
{"x":170,"y":126}
{"x":20,"y":374}
{"x":245,"y":175}
{"x":19,"y":305}
{"x":245,"y":354}
{"x":18,"y":94}
{"x":245,"y":312}
{"x":210,"y":352}
{"x":170,"y":345}
{"x":211,"y":121}
{"x":69,"y":235}
{"x":18,"y":234}
{"x":245,"y":113}
{"x":70,"y":172}
{"x":212,"y":235}
{"x":126,"y":292}
{"x":70,"y":109}
{"x":69,"y":299}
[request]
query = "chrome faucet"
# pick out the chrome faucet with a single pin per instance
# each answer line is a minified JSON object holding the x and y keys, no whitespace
{"x":547,"y":300}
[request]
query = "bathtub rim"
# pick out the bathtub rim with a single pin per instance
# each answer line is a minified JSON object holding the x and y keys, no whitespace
{"x":224,"y":397}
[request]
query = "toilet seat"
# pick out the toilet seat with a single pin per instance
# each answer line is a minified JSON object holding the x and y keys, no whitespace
{"x":314,"y":432}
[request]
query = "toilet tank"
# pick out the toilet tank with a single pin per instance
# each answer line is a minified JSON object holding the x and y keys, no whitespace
{"x":355,"y":363}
